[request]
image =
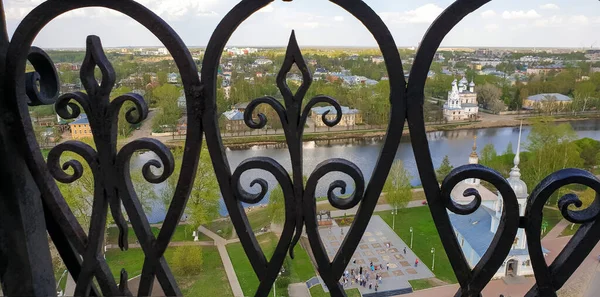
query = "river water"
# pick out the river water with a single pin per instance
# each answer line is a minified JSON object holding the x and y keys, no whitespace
{"x":456,"y":144}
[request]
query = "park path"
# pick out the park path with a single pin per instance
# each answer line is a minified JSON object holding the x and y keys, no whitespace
{"x":220,"y":242}
{"x":171,"y":244}
{"x":379,"y":207}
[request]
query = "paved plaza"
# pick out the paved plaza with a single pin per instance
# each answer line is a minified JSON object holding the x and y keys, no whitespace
{"x":379,"y":245}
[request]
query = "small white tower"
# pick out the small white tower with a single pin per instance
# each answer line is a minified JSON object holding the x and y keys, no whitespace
{"x":472,"y":87}
{"x":520,"y":189}
{"x":474,"y":159}
{"x":453,"y":96}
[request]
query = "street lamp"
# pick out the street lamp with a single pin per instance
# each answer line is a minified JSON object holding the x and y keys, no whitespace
{"x":411,"y":237}
{"x":433,"y":257}
{"x":394,"y":213}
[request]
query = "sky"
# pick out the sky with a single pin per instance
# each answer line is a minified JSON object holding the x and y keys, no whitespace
{"x":500,"y":23}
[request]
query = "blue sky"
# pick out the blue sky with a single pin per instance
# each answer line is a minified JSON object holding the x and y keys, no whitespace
{"x":510,"y":23}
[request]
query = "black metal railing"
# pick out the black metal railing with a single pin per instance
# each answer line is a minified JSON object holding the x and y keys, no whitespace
{"x":31,"y":206}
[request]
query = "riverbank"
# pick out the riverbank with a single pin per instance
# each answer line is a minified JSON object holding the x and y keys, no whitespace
{"x":351,"y":136}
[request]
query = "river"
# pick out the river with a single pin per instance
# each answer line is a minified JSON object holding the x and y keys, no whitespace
{"x":456,"y":144}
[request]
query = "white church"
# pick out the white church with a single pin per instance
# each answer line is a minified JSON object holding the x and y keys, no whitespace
{"x":462,"y":102}
{"x":476,"y":231}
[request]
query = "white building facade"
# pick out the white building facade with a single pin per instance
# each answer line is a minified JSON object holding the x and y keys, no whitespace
{"x":475,"y":232}
{"x":462,"y":102}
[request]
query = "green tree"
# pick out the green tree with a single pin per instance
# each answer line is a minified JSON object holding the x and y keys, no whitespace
{"x":509,"y":149}
{"x":552,"y":148}
{"x":188,"y":259}
{"x":489,"y":96}
{"x":203,"y":205}
{"x":444,"y":169}
{"x":488,"y":153}
{"x":584,"y":92}
{"x":276,"y":206}
{"x":397,"y":188}
{"x":162,"y":77}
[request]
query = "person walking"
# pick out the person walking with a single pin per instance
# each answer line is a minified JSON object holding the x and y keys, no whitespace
{"x":387,"y":266}
{"x":416,"y":262}
{"x":405,"y":250}
{"x":360,"y":271}
{"x":370,"y":285}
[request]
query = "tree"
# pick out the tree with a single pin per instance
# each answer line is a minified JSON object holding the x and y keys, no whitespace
{"x":203,"y":205}
{"x":488,"y":153}
{"x":188,"y":259}
{"x":552,"y":148}
{"x":489,"y":96}
{"x":583,"y":93}
{"x":276,"y":206}
{"x":509,"y":149}
{"x":444,"y":169}
{"x":397,"y":188}
{"x":166,"y":94}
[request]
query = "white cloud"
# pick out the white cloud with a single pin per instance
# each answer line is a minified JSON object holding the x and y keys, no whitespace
{"x":423,"y":14}
{"x":488,"y":14}
{"x":579,"y":19}
{"x":338,"y":18}
{"x":521,"y":14}
{"x":554,"y":20}
{"x":491,"y":27}
{"x":550,"y":6}
{"x":268,"y":8}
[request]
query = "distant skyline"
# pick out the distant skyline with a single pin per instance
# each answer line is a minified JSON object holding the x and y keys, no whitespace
{"x":508,"y":23}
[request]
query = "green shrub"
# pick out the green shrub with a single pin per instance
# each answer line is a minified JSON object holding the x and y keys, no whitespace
{"x":187,"y":260}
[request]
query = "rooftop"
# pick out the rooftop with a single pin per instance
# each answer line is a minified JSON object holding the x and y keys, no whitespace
{"x":540,"y":97}
{"x":234,"y":115}
{"x":83,"y":119}
{"x":332,"y":110}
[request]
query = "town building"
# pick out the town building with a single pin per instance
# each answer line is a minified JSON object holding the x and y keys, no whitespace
{"x":233,"y":121}
{"x":462,"y":102}
{"x":350,"y":116}
{"x":547,"y":101}
{"x":172,"y":78}
{"x":476,"y":231}
{"x":544,"y":69}
{"x":80,"y":127}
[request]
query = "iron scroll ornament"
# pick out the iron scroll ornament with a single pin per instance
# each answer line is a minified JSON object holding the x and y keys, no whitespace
{"x":292,"y":117}
{"x":67,"y":234}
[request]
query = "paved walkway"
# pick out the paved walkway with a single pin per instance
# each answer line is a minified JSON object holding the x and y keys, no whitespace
{"x":298,"y":290}
{"x":379,"y":207}
{"x":380,"y":246}
{"x":555,"y":232}
{"x":176,"y":243}
{"x":220,"y":242}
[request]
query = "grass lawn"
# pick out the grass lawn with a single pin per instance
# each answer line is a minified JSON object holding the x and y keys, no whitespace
{"x":317,"y":291}
{"x":211,"y":282}
{"x":300,"y":268}
{"x":112,"y":234}
{"x":416,"y":196}
{"x":420,"y":284}
{"x":570,"y":231}
{"x":258,"y":219}
{"x":425,"y":237}
{"x":551,"y":216}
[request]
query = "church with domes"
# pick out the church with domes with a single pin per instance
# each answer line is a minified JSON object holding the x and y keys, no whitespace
{"x":462,"y":102}
{"x":475,"y":232}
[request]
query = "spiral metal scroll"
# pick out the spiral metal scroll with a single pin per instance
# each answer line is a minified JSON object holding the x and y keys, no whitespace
{"x":72,"y":242}
{"x":293,"y":116}
{"x":551,"y":278}
{"x":473,"y":281}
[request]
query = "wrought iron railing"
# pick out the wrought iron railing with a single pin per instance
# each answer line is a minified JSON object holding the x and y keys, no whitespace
{"x":31,"y":204}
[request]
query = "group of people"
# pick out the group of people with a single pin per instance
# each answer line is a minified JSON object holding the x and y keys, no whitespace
{"x":367,"y":276}
{"x":363,"y":277}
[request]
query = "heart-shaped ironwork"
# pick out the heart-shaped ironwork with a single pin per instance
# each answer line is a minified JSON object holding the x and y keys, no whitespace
{"x":551,"y":278}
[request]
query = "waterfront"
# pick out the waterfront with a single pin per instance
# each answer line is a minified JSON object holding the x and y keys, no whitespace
{"x":456,"y":144}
